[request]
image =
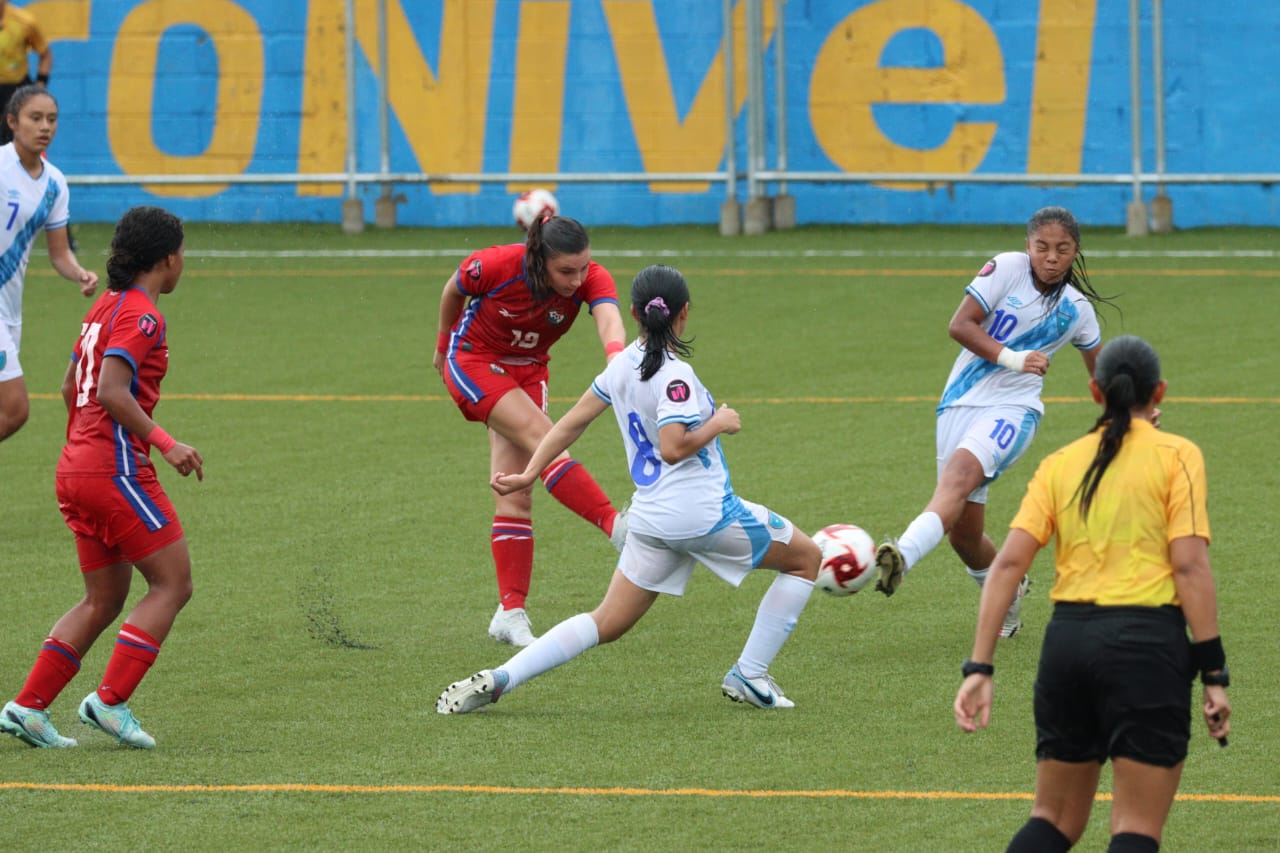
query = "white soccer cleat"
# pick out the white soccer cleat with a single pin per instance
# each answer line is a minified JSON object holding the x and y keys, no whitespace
{"x":618,"y":537}
{"x":32,"y":727}
{"x":1013,"y":617}
{"x":762,"y":691}
{"x":511,"y":626}
{"x":482,"y":689}
{"x":891,"y":565}
{"x":116,"y":721}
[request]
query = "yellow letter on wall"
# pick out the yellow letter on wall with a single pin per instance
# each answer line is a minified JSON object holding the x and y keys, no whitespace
{"x":666,"y":142}
{"x":1060,"y":98}
{"x":235,"y":36}
{"x":537,"y":118}
{"x":442,"y":113}
{"x":848,"y":81}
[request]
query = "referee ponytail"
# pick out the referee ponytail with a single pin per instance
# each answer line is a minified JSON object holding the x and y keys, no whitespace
{"x":658,"y":295}
{"x":1127,"y":373}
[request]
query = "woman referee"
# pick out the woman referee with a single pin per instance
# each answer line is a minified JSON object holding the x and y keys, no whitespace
{"x":1127,"y":504}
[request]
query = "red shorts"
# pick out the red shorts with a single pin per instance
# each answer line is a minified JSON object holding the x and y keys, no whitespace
{"x":117,"y":519}
{"x":478,"y":382}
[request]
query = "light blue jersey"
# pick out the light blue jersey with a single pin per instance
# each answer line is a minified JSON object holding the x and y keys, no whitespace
{"x":692,"y":497}
{"x":1018,"y":316}
{"x":30,"y":204}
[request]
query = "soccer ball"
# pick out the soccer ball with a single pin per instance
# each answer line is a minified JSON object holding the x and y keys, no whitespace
{"x":534,"y":205}
{"x":848,"y":559}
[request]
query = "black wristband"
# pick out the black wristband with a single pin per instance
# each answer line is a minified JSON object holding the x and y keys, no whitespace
{"x":969,"y":668}
{"x":1221,"y":677}
{"x":1208,"y":656}
{"x":42,"y":79}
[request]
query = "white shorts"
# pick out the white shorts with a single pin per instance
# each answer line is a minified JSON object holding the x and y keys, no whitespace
{"x":732,"y":551}
{"x":10,"y":337}
{"x":997,"y":436}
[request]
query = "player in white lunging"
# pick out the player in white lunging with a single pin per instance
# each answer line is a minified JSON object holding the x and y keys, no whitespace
{"x":1019,"y":310}
{"x":684,"y":510}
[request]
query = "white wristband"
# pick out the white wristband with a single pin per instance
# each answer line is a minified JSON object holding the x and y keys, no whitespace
{"x":1012,"y":359}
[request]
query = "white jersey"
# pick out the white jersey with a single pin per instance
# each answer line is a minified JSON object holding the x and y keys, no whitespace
{"x":1018,"y":316}
{"x":692,"y":497}
{"x":31,"y":204}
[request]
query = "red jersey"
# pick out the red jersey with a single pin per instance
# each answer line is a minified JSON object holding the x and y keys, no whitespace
{"x":126,"y":324}
{"x":505,"y":320}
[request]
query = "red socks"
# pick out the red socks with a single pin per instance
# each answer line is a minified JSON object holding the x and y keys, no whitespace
{"x":569,"y":483}
{"x":55,"y":666}
{"x":134,"y":653}
{"x":512,"y":542}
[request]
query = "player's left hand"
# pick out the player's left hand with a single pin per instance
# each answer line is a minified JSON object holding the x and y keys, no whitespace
{"x":505,"y":484}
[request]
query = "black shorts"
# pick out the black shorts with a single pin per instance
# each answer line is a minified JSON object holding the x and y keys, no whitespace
{"x":1114,"y":682}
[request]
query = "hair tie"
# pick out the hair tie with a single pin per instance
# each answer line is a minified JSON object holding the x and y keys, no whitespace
{"x":660,"y":304}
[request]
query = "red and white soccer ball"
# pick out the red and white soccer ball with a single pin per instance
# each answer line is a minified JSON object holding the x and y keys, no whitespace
{"x":534,"y":205}
{"x":848,"y":559}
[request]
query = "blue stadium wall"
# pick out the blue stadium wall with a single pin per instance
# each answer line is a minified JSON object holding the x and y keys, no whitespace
{"x":500,"y":86}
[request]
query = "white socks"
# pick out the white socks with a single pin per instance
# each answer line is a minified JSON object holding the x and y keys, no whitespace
{"x":560,"y":645}
{"x":921,"y":536}
{"x":776,"y":616}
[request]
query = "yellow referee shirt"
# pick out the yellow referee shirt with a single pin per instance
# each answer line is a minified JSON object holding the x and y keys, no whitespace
{"x":19,"y":36}
{"x":1152,"y":493}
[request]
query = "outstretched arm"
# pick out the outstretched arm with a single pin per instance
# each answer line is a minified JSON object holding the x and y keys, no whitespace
{"x":563,"y":434}
{"x":972,"y":706}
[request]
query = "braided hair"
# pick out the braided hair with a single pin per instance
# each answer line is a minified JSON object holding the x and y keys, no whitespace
{"x":658,"y":294}
{"x":144,"y":237}
{"x":1078,"y":275}
{"x":547,"y":239}
{"x":1127,"y":372}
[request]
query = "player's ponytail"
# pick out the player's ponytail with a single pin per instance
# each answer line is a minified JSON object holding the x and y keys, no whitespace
{"x":658,"y":294}
{"x":549,"y":238}
{"x":144,"y":237}
{"x":1127,"y":372}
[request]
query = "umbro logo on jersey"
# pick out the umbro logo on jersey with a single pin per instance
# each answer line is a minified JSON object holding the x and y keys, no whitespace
{"x":1014,"y":302}
{"x":148,"y":325}
{"x":987,"y":268}
{"x":510,"y":315}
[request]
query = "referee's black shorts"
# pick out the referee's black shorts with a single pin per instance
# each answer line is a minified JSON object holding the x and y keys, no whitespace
{"x":1114,"y":682}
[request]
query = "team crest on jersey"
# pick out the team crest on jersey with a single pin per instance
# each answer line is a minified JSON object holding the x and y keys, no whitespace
{"x":473,"y":270}
{"x":555,"y":318}
{"x":988,"y":268}
{"x":493,"y":368}
{"x":148,"y":325}
{"x":678,"y":391}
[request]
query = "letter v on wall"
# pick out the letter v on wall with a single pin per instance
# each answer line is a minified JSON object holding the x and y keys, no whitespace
{"x":442,"y":114}
{"x":666,"y":142}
